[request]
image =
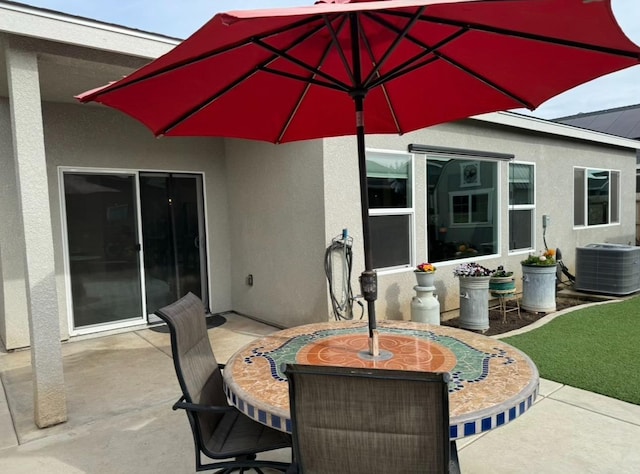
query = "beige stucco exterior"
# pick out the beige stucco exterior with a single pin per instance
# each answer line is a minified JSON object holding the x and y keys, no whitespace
{"x":554,"y":158}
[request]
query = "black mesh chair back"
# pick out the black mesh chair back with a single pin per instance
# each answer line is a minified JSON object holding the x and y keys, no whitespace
{"x":366,"y":421}
{"x":219,"y":430}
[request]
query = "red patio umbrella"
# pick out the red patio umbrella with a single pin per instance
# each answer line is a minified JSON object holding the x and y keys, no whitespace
{"x":282,"y":75}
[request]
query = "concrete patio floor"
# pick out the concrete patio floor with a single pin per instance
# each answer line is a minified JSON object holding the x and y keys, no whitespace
{"x":120,"y":389}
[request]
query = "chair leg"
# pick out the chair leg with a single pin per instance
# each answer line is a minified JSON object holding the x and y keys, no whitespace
{"x":454,"y":463}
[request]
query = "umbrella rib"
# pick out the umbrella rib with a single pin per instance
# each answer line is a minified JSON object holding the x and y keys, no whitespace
{"x":524,"y":35}
{"x":204,"y":103}
{"x":296,"y":77}
{"x":282,"y":54}
{"x":407,"y":67}
{"x":212,"y":98}
{"x":336,"y":44}
{"x":311,"y":80}
{"x":292,"y":114}
{"x":198,"y":58}
{"x":260,"y":67}
{"x":486,"y":81}
{"x":394,"y":116}
{"x":400,"y":35}
{"x":399,"y":73}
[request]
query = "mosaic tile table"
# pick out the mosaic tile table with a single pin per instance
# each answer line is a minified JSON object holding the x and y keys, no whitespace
{"x":492,"y":383}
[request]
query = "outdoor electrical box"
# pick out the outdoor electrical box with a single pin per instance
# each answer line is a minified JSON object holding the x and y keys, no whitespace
{"x":546,"y":220}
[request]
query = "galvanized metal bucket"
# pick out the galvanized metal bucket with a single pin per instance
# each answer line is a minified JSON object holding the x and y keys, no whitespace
{"x":539,"y":288}
{"x":474,"y":303}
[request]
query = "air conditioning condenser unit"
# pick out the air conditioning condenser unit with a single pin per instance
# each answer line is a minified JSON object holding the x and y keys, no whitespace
{"x":608,"y":268}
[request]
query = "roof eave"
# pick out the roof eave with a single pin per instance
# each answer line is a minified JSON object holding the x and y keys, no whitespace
{"x":539,"y":125}
{"x":24,"y":20}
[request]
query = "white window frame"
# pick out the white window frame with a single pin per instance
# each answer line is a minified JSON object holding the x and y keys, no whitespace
{"x":585,"y":210}
{"x":398,"y":211}
{"x":523,"y":207}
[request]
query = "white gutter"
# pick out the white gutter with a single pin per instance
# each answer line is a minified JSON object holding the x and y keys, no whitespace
{"x":23,"y":20}
{"x":535,"y":124}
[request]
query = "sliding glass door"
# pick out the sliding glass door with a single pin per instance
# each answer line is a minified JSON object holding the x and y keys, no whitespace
{"x":173,"y":237}
{"x":136,"y":242}
{"x":103,"y":248}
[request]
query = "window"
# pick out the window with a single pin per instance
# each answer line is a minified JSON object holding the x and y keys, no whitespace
{"x":461,"y":205}
{"x":389,"y":178}
{"x":521,"y":206}
{"x":596,"y":197}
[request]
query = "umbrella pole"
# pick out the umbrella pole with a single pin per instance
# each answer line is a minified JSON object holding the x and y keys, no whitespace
{"x":368,"y":278}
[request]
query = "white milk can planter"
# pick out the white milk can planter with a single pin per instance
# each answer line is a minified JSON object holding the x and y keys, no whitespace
{"x":425,"y":307}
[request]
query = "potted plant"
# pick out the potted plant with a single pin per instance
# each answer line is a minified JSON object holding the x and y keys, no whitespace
{"x":472,"y":269}
{"x":545,"y":259}
{"x":425,"y":274}
{"x":474,"y":295}
{"x":539,"y":282}
{"x":502,"y":281}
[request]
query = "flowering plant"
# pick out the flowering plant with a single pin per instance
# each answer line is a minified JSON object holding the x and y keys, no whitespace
{"x":471,"y":269}
{"x":501,"y":272}
{"x":425,"y":268}
{"x":545,"y":258}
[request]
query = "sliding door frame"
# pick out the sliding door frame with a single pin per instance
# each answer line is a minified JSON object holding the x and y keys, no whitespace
{"x":144,"y":317}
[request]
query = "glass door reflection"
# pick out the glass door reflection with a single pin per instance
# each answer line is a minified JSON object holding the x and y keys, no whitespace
{"x":173,"y":236}
{"x":104,"y":250}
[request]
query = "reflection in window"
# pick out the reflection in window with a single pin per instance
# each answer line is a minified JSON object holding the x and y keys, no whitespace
{"x":389,"y":181}
{"x":471,"y":208}
{"x":461,"y":208}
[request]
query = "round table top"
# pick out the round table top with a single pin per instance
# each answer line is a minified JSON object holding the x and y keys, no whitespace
{"x":491,"y":384}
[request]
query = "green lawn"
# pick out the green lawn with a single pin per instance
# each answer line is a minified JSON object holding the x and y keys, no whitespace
{"x":596,"y":349}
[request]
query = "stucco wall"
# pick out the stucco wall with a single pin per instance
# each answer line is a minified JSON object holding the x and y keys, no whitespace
{"x":89,"y":136}
{"x":277,"y":229}
{"x":554,"y":159}
{"x":14,"y":323}
{"x":272,"y":210}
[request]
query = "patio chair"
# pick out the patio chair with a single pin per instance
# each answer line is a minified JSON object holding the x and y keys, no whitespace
{"x":364,"y":421}
{"x":219,"y":430}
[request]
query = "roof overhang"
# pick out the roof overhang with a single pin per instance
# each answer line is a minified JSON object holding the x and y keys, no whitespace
{"x":534,"y":124}
{"x":23,"y":20}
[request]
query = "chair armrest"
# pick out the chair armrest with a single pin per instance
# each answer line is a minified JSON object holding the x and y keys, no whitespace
{"x":202,"y":408}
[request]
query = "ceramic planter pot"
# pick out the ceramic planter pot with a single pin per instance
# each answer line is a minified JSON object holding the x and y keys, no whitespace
{"x":425,"y":279}
{"x":502,"y":285}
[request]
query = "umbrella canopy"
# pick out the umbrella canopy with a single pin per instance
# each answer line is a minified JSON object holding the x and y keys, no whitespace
{"x":421,"y":63}
{"x":282,"y":75}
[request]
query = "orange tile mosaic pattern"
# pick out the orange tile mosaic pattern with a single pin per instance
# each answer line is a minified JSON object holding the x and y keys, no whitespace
{"x":491,"y":382}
